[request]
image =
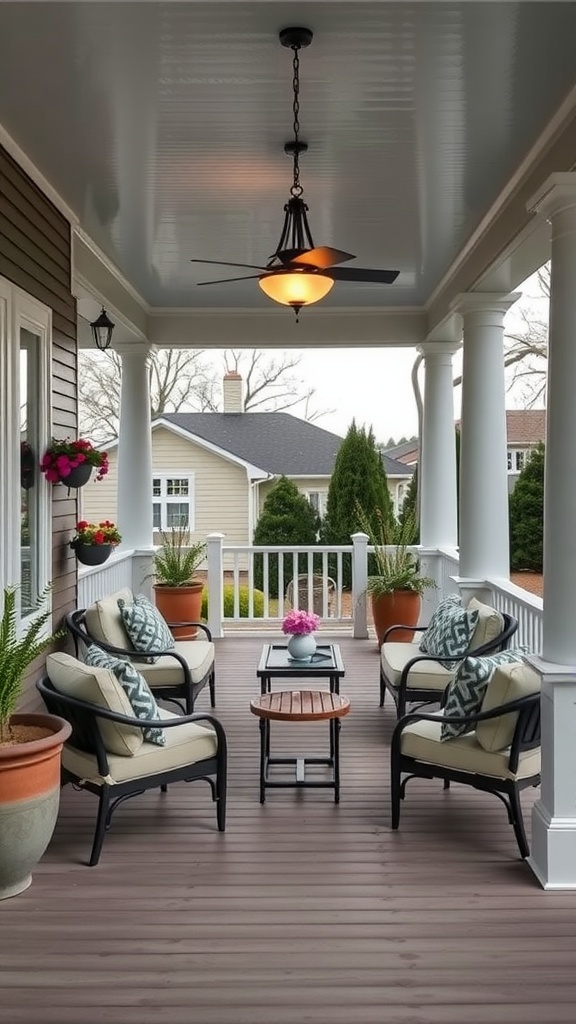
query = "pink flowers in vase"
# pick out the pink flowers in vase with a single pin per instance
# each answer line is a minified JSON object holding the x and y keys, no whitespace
{"x":300,"y":623}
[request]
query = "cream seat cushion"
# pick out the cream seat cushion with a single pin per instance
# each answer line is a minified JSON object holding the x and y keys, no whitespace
{"x":166,"y":671}
{"x":104,"y":621}
{"x":489,"y":625}
{"x":97,"y":686}
{"x":423,"y":676}
{"x":185,"y":744}
{"x":422,"y":741}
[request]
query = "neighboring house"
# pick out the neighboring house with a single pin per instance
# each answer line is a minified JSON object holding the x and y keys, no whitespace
{"x":215,"y":470}
{"x":525,"y":429}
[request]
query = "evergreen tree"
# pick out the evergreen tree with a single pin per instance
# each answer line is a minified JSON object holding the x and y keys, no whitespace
{"x":287,"y":518}
{"x":409,"y":510}
{"x":527,"y":515}
{"x":358,"y":479}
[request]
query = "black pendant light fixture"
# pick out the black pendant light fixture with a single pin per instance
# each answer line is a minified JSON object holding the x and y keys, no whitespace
{"x":295,"y":287}
{"x":299,"y":273}
{"x":102,"y":329}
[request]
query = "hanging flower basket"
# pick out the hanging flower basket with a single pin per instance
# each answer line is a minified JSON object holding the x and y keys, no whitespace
{"x":94,"y":542}
{"x":70,"y":462}
{"x":92,"y":554}
{"x":78,"y":476}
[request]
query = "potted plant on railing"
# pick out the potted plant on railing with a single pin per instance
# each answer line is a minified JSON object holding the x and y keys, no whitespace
{"x":177,"y":591}
{"x":395,"y":585}
{"x":71,"y":462}
{"x":30,"y":749}
{"x":93,"y":543}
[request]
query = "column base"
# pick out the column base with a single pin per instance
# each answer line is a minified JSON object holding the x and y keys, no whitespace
{"x":553,"y":856}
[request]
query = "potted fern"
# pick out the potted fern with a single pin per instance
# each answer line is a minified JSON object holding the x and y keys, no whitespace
{"x":395,"y":585}
{"x":30,"y":752}
{"x":177,"y":590}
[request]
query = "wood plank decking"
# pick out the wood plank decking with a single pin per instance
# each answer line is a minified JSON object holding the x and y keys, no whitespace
{"x":303,"y":912}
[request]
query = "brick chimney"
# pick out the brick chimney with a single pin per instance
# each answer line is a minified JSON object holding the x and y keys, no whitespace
{"x":232,"y":392}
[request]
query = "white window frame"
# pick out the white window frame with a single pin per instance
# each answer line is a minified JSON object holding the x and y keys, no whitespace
{"x":19,"y":310}
{"x":322,"y":500}
{"x":164,"y":500}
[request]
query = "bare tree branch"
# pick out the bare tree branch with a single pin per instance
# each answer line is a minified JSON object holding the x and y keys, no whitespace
{"x":183,"y":380}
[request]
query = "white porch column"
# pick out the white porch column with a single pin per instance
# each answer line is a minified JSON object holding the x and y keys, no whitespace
{"x":437,"y":469}
{"x":553,"y":856}
{"x":135,"y":451}
{"x":484,"y":543}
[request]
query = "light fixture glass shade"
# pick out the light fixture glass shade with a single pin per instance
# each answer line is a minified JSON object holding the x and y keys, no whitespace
{"x":298,"y":289}
{"x":102,"y":329}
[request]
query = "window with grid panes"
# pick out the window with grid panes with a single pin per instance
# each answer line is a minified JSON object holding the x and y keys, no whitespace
{"x":172,"y":501}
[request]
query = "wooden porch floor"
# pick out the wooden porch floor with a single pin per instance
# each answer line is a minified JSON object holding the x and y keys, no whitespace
{"x":303,"y":912}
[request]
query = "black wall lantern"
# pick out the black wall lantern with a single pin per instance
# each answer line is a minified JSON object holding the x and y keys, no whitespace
{"x":102,"y":330}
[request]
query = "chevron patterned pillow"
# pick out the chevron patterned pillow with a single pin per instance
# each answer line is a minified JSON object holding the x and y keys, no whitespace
{"x":147,"y":629}
{"x":135,"y":687}
{"x":466,"y":692}
{"x":450,"y":631}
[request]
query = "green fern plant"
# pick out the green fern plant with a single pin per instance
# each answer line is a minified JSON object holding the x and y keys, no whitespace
{"x":177,"y":560}
{"x":17,"y":652}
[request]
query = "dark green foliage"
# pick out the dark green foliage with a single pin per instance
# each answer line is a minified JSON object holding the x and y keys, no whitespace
{"x":358,"y":481}
{"x":527,"y":515}
{"x":229,"y":602}
{"x":409,"y":510}
{"x":287,"y":518}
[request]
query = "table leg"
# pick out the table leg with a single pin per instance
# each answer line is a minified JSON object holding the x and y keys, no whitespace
{"x":335,"y":729}
{"x":264,"y":745}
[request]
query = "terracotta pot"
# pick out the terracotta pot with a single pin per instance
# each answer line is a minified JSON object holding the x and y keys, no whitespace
{"x":29,"y":800}
{"x":180,"y":604}
{"x":402,"y":606}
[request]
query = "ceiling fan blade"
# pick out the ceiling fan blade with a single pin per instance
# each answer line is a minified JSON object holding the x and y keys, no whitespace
{"x":225,"y":263}
{"x":361,"y":274}
{"x":226,"y":280}
{"x":322,"y":257}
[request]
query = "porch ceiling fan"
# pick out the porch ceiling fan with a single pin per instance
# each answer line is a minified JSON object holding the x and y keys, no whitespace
{"x":299,"y":272}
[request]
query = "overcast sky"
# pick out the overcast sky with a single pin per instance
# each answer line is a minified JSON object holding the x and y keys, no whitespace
{"x":373,"y":386}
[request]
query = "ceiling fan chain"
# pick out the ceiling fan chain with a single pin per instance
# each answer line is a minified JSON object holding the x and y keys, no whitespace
{"x":296,"y":189}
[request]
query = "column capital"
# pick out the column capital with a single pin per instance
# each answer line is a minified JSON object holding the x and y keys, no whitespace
{"x":485,"y":302}
{"x":438,"y":348}
{"x":556,"y":194}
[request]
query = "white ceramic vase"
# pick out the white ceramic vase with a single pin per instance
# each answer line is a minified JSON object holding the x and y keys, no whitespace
{"x":301,"y":646}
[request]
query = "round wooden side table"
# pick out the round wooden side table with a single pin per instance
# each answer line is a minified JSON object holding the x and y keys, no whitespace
{"x":300,"y":706}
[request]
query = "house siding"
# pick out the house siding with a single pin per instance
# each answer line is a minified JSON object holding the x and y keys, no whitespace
{"x":304,"y":484}
{"x":35,"y":255}
{"x":220,"y":487}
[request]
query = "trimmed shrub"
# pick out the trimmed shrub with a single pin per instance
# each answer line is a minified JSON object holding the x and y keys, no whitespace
{"x":287,"y":518}
{"x":229,"y":602}
{"x":526,"y":506}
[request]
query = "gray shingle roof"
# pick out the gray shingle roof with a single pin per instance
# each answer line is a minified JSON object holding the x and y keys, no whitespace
{"x":274,"y":441}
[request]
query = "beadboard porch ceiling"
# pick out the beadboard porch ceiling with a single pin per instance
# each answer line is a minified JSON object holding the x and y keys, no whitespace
{"x":162,"y":127}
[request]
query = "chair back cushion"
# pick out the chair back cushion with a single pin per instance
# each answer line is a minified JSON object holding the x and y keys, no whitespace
{"x":104,"y":621}
{"x":97,"y":686}
{"x":146,"y":627}
{"x":140,"y":696}
{"x":508,"y":683}
{"x":466,"y":693}
{"x":489,"y":625}
{"x":450,"y":631}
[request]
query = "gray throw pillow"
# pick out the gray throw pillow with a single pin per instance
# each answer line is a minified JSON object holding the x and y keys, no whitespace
{"x":450,"y":631}
{"x":466,"y":692}
{"x":135,"y":687}
{"x":148,"y":630}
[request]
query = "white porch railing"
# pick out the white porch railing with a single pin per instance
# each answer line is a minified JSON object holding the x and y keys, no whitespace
{"x":319,"y":585}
